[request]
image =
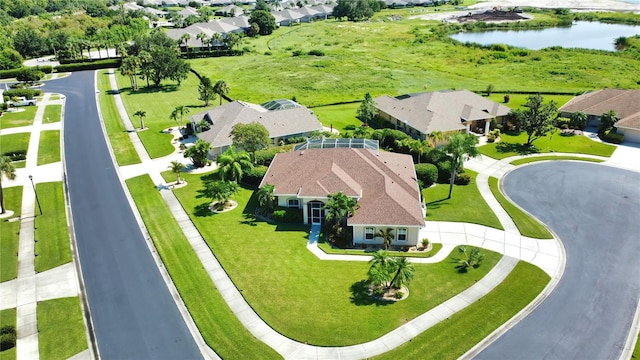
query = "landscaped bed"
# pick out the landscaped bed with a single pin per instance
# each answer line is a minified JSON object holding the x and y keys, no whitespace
{"x":324,"y":246}
{"x":553,"y":158}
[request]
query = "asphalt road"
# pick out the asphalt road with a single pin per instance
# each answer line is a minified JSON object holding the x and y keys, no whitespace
{"x":595,"y":211}
{"x":133,"y":312}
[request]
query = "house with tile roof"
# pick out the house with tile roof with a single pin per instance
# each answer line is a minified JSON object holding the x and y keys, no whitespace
{"x":383,"y":184}
{"x":447,"y":111}
{"x":288,"y":119}
{"x":626,"y":104}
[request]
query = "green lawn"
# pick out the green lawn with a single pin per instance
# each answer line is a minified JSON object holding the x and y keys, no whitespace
{"x":527,"y":225}
{"x":52,"y":237}
{"x":9,"y":234}
{"x":463,"y":330}
{"x":510,"y":145}
{"x":14,"y":142}
{"x":338,"y":116}
{"x":419,"y":254}
{"x":61,"y":332}
{"x":52,"y":113}
{"x":17,"y":119}
{"x":49,"y":147}
{"x":553,"y":158}
{"x":8,"y":317}
{"x":466,"y":204}
{"x":636,"y":350}
{"x":120,"y":143}
{"x":284,"y":274}
{"x":218,"y":325}
{"x":518,"y":100}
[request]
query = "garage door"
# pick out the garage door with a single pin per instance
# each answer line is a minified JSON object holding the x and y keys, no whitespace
{"x":631,"y":135}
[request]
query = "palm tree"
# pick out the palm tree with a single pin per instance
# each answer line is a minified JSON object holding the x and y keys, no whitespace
{"x":129,"y":68}
{"x":233,"y":164}
{"x":221,"y":88}
{"x":220,"y":191}
{"x":216,"y":38}
{"x":460,"y":146}
{"x":387,"y":237}
{"x":141,"y":114}
{"x":185,"y":39}
{"x":382,"y":268}
{"x":435,"y":137}
{"x":339,"y":207}
{"x":121,"y":50}
{"x":266,"y":199}
{"x":202,"y":37}
{"x":6,"y":170}
{"x":404,"y":272}
{"x":144,"y":60}
{"x":198,"y":153}
{"x":177,"y":167}
{"x":179,"y":111}
{"x":418,"y":147}
{"x":607,"y":120}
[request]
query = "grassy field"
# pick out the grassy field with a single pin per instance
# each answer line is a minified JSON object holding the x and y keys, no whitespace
{"x":527,"y":225}
{"x":120,"y":142}
{"x":52,"y":113}
{"x":466,"y":204}
{"x":284,"y":274}
{"x":553,"y":158}
{"x":218,"y":325}
{"x":49,"y":147}
{"x":9,"y":234}
{"x":518,"y":100}
{"x":61,"y":331}
{"x":511,"y":145}
{"x":52,"y":237}
{"x":460,"y":332}
{"x":17,"y":119}
{"x":8,"y":317}
{"x":338,"y":116}
{"x":419,"y":254}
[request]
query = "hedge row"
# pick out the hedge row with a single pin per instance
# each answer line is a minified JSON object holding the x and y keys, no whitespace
{"x":612,"y":136}
{"x":28,"y":93}
{"x":93,"y":65}
{"x":7,"y":74}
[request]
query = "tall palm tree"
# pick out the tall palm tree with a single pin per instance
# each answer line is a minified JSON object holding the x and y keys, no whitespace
{"x":404,"y":272}
{"x":141,"y":114}
{"x":339,"y":207}
{"x":221,"y":88}
{"x":202,"y":37}
{"x":184,"y":39}
{"x":177,"y":167}
{"x":179,"y":111}
{"x":266,"y":199}
{"x":129,"y":68}
{"x":435,"y":137}
{"x":460,"y":147}
{"x":144,"y":60}
{"x":6,"y":170}
{"x":387,"y":237}
{"x":381,"y":270}
{"x":418,"y":147}
{"x":216,"y":38}
{"x":233,"y":164}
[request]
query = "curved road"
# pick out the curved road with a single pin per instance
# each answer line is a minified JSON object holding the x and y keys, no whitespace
{"x":133,"y":313}
{"x":595,"y":211}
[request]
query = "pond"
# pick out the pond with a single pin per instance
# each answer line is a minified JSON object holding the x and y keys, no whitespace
{"x":583,"y":34}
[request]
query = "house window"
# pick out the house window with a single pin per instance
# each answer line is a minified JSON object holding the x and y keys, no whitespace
{"x":368,"y":233}
{"x":402,"y":234}
{"x":294,"y":203}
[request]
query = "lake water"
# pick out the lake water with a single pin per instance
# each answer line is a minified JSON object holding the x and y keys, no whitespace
{"x":583,"y":34}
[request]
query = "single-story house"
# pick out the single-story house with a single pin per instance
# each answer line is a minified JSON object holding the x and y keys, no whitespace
{"x":626,"y":104}
{"x":288,"y":119}
{"x":383,"y":184}
{"x":230,"y":10}
{"x":447,"y":111}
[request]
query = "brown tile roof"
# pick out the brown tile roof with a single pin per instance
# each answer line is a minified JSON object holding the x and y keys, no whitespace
{"x":279,"y":123}
{"x":386,"y":182}
{"x":440,"y":110}
{"x":626,"y":104}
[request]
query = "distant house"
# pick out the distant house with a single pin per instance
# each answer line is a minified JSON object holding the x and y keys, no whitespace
{"x":626,"y":104}
{"x":383,"y":184}
{"x":282,"y":118}
{"x":223,"y":26}
{"x":447,"y":111}
{"x":230,"y":10}
{"x":188,"y":11}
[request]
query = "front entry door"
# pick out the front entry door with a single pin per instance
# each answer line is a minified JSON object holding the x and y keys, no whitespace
{"x":316,"y":216}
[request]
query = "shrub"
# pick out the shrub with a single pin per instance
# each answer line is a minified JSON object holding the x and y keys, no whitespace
{"x":563,"y":123}
{"x":265,"y":156}
{"x":507,"y":98}
{"x":613,"y":137}
{"x":16,"y":155}
{"x":295,"y":140}
{"x":462,"y":179}
{"x":493,"y":135}
{"x":399,"y":294}
{"x":7,"y":329}
{"x":425,"y":242}
{"x":254,"y":175}
{"x":93,"y":65}
{"x":444,"y":170}
{"x":28,"y":93}
{"x":427,"y":173}
{"x":7,"y":337}
{"x":297,"y":53}
{"x":268,"y":53}
{"x":316,"y":52}
{"x":287,"y":215}
{"x":350,"y":127}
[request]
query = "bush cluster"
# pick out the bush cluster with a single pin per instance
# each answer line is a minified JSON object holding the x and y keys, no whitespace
{"x":612,"y":136}
{"x":93,"y":65}
{"x":27,"y":93}
{"x":426,"y":173}
{"x":462,"y":179}
{"x":254,"y":175}
{"x":7,"y":337}
{"x":17,"y":155}
{"x":316,"y":52}
{"x":287,"y":215}
{"x":493,"y":135}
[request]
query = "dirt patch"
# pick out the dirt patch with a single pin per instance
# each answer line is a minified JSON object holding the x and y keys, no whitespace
{"x":492,"y":16}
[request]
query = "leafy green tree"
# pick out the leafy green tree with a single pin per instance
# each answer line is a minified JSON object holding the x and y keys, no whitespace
{"x":129,"y":68}
{"x":607,"y":120}
{"x":387,"y":237}
{"x":178,"y":113}
{"x":145,"y":60}
{"x":361,"y":132}
{"x":266,"y":199}
{"x":261,"y":5}
{"x":232,"y":40}
{"x":356,"y":10}
{"x":367,"y":110}
{"x":621,"y":43}
{"x":579,"y":120}
{"x":29,"y":75}
{"x":265,"y":21}
{"x":206,"y":91}
{"x":232,"y":164}
{"x":339,"y":208}
{"x":29,"y":42}
{"x":538,"y":118}
{"x":221,"y":88}
{"x":419,"y":148}
{"x":403,"y":273}
{"x":220,"y":191}
{"x":177,"y":168}
{"x":198,"y":153}
{"x":10,"y":59}
{"x":140,"y":114}
{"x":6,"y":170}
{"x":250,"y":137}
{"x":460,"y":147}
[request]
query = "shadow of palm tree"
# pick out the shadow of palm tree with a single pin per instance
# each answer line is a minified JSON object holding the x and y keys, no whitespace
{"x":360,"y":295}
{"x":203,"y":210}
{"x":521,"y":149}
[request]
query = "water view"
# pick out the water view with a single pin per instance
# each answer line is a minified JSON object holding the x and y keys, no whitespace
{"x":583,"y":34}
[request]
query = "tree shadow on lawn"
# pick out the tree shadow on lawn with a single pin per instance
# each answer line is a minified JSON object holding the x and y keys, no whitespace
{"x":520,"y":149}
{"x":360,"y":295}
{"x":151,"y":89}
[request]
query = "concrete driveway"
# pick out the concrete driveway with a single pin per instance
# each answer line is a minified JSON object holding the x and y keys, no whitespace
{"x":595,"y":211}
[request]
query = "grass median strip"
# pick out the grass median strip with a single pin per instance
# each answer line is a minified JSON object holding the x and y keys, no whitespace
{"x":10,"y":233}
{"x":61,"y":332}
{"x":52,"y":113}
{"x":52,"y":238}
{"x":527,"y":225}
{"x":218,"y":325}
{"x":49,"y":147}
{"x":546,"y":158}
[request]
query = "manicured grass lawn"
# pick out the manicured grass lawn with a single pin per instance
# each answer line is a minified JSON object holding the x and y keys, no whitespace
{"x":419,"y":254}
{"x":466,"y":204}
{"x":52,"y":238}
{"x":8,"y":317}
{"x":636,"y":350}
{"x":61,"y":331}
{"x":17,"y":119}
{"x":543,"y":158}
{"x":527,"y":225}
{"x":338,"y":115}
{"x":120,"y":142}
{"x":14,"y":142}
{"x":9,"y":234}
{"x":326,"y":301}
{"x":52,"y":113}
{"x":49,"y":147}
{"x":218,"y":325}
{"x":510,"y":145}
{"x":463,"y":330}
{"x":518,"y":100}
